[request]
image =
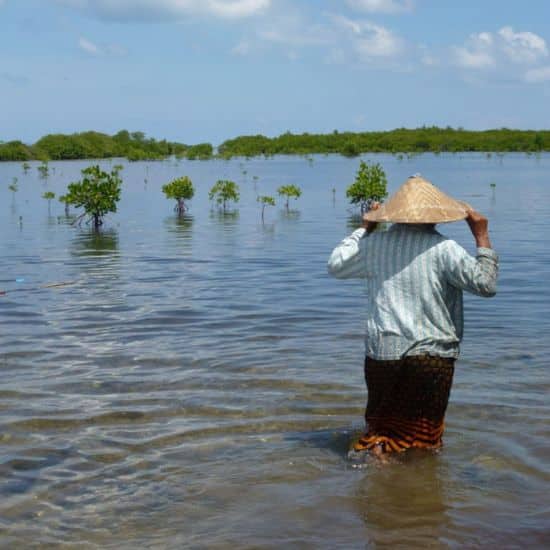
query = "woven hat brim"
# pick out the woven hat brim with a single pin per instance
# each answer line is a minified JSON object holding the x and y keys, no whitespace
{"x":419,"y":201}
{"x":424,"y":215}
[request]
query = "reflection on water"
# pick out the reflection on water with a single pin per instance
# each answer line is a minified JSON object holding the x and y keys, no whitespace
{"x":95,"y":243}
{"x":199,"y":382}
{"x":181,"y":229}
{"x":404,"y":500}
{"x":227,"y":217}
{"x":290,"y":215}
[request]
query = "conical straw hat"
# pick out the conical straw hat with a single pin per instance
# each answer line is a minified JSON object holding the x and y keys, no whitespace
{"x":418,"y":201}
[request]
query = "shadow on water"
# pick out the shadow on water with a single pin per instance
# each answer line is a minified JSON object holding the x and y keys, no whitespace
{"x":337,"y":441}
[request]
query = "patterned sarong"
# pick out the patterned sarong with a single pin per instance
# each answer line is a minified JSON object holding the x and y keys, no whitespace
{"x":407,"y":399}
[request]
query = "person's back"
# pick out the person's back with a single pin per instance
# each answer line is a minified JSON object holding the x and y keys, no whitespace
{"x":414,"y":279}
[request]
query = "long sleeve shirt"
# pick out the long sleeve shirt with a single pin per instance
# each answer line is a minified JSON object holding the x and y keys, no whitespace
{"x":414,"y":281}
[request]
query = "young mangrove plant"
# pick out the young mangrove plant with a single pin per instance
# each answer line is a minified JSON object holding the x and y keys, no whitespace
{"x":44,"y":170}
{"x":289,"y":191}
{"x":48,"y":195}
{"x":180,"y":189}
{"x":98,"y":193}
{"x":266,"y":200}
{"x":26,"y":167}
{"x":63,"y":199}
{"x":223,"y":192}
{"x":369,"y":186}
{"x":13,"y":186}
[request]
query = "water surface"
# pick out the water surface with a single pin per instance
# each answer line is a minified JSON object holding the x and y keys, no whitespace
{"x":198,"y":382}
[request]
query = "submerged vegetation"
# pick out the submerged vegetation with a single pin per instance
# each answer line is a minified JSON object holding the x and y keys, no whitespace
{"x":224,"y":191}
{"x":136,"y":146}
{"x":289,"y":191}
{"x":180,"y":189}
{"x":98,"y":193}
{"x":369,"y":186}
{"x":266,"y":200}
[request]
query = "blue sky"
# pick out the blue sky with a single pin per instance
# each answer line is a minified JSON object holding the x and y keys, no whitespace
{"x":208,"y":70}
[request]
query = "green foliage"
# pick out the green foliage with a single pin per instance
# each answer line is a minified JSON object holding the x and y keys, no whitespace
{"x":350,"y":149}
{"x":180,"y":189}
{"x":15,"y":151}
{"x":133,"y":145}
{"x":224,"y":191}
{"x":266,"y":200}
{"x":48,"y":195}
{"x":13,"y":187}
{"x":26,"y":167}
{"x":369,"y":185}
{"x":98,"y":193}
{"x":201,"y":151}
{"x":400,"y":140}
{"x":289,"y":191}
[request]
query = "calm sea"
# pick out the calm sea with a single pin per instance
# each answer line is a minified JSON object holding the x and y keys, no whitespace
{"x":197,"y":383}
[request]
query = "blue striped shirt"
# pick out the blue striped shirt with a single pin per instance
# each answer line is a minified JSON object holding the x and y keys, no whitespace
{"x":414,"y":277}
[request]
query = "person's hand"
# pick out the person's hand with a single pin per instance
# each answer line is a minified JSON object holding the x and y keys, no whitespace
{"x":479,"y":226}
{"x":368,"y":225}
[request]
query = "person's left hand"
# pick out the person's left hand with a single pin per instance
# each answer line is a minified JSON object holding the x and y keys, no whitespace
{"x":368,"y":225}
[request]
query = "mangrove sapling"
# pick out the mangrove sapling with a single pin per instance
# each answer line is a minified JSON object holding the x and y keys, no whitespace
{"x":224,"y":191}
{"x":49,"y":195}
{"x":289,"y":191}
{"x":13,"y":188}
{"x":63,"y":199}
{"x":369,"y":186}
{"x":26,"y":167}
{"x":43,"y":170}
{"x":180,"y":189}
{"x":98,"y":193}
{"x":266,"y":200}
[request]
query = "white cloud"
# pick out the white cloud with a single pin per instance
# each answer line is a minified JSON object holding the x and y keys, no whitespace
{"x":93,"y":49}
{"x":473,"y":60}
{"x":154,"y":10}
{"x":381,"y":6}
{"x":370,"y":41}
{"x":88,"y":47}
{"x":292,"y":29}
{"x":377,"y":41}
{"x":522,"y":47}
{"x":477,"y":53}
{"x":487,"y":50}
{"x":540,"y":74}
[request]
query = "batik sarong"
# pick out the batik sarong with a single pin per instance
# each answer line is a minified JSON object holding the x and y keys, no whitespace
{"x":406,"y":404}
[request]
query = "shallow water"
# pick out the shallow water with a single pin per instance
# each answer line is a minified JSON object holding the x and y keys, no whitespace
{"x":198,"y":382}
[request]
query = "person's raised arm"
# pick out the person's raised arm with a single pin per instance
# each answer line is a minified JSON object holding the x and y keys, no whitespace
{"x":348,"y":259}
{"x":477,"y":275}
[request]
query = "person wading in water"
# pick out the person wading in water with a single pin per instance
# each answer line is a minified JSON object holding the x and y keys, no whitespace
{"x":415,"y":278}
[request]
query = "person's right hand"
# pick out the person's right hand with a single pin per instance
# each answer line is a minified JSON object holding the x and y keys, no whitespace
{"x":479,"y":226}
{"x":368,"y":225}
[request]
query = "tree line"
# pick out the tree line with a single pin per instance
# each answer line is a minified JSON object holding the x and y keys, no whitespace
{"x":136,"y":146}
{"x":94,"y":145}
{"x":401,"y":140}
